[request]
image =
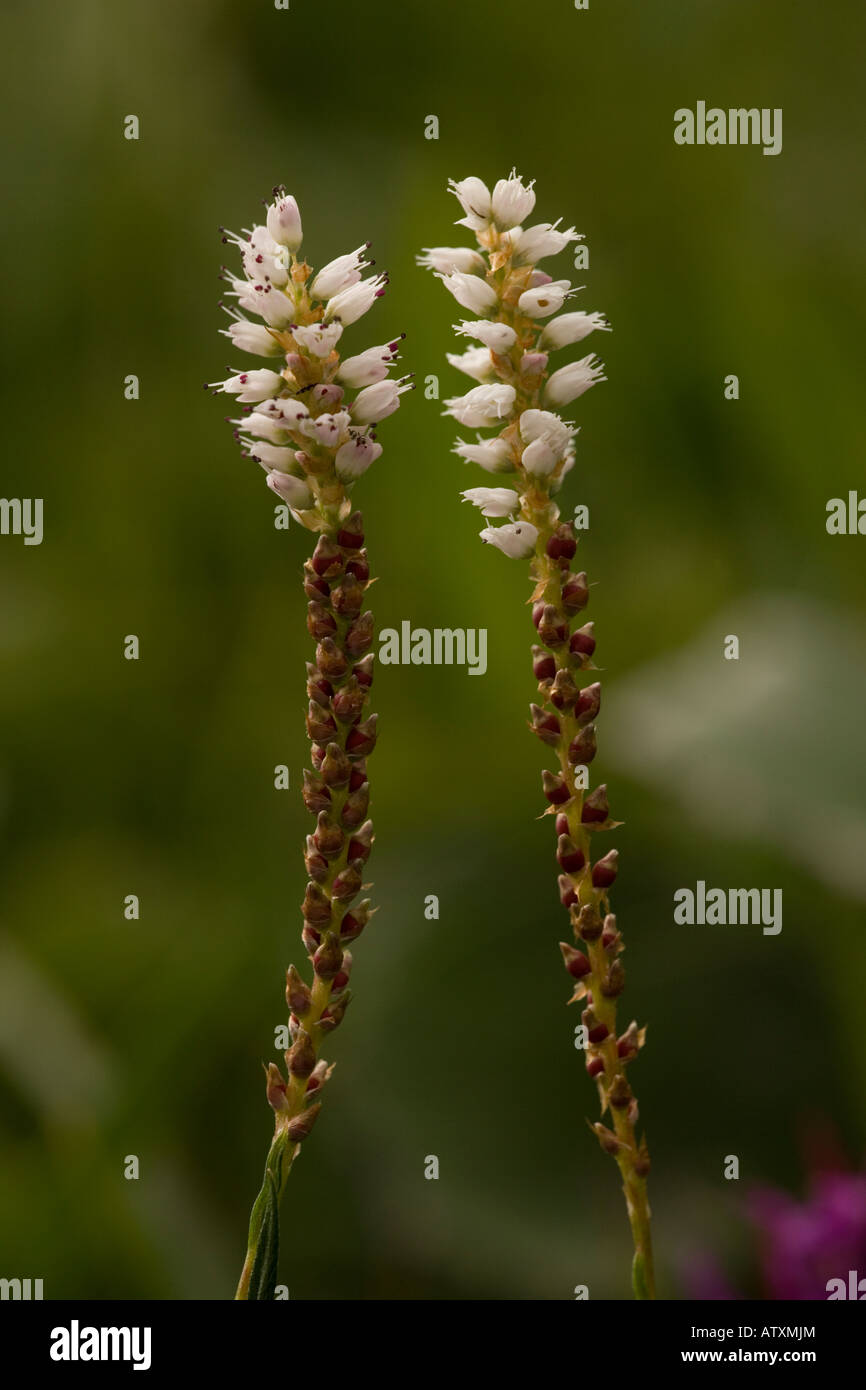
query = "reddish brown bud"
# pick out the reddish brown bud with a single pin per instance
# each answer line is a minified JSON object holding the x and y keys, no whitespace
{"x":359,"y":567}
{"x":596,"y":1030}
{"x":642,"y":1160}
{"x":604,"y":870}
{"x":605,"y":1137}
{"x":335,"y":766}
{"x":595,"y":810}
{"x":328,"y":958}
{"x":320,"y":724}
{"x":358,"y":775}
{"x":610,"y":936}
{"x":328,"y":837}
{"x":619,"y":1094}
{"x":360,"y":635}
{"x":315,"y":793}
{"x":316,"y":906}
{"x":347,"y":597}
{"x":561,"y":824}
{"x":575,"y":962}
{"x":326,"y":559}
{"x":594,"y":1064}
{"x":355,"y":921}
{"x":555,"y":787}
{"x":570,"y":856}
{"x":588,"y":703}
{"x":351,"y":533}
{"x":361,"y":843}
{"x":544,"y":724}
{"x":628,"y":1045}
{"x":275,"y":1087}
{"x":614,"y":980}
{"x":537,"y":610}
{"x":320,"y":622}
{"x":543,"y":664}
{"x":583,"y":640}
{"x":589,"y":925}
{"x":583,"y":746}
{"x":313,"y":586}
{"x":553,"y":626}
{"x":562,"y":543}
{"x":297,"y":992}
{"x":332,"y":1016}
{"x":341,"y":979}
{"x":316,"y":864}
{"x":355,"y":806}
{"x":301,"y":1056}
{"x":362,"y":739}
{"x":348,"y":703}
{"x":575,"y":592}
{"x":564,"y":691}
{"x":318,"y":688}
{"x":310,"y":937}
{"x":346,"y":884}
{"x":300,"y":1127}
{"x":363,"y":672}
{"x":331,"y":661}
{"x":320,"y":1074}
{"x":567,"y":895}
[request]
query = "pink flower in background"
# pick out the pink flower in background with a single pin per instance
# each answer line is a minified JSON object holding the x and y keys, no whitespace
{"x":805,"y":1244}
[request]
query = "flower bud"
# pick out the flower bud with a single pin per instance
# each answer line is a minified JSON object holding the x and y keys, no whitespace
{"x":588,"y":703}
{"x":316,"y":864}
{"x":583,"y":640}
{"x":561,"y":824}
{"x":355,"y":921}
{"x":575,"y":592}
{"x":563,"y":692}
{"x":596,"y":1030}
{"x":363,"y":672}
{"x":360,"y":635}
{"x":610,"y":936}
{"x":315,"y":794}
{"x":311,"y":938}
{"x":362,"y":739}
{"x":328,"y":958}
{"x":351,"y":533}
{"x":553,"y":627}
{"x":335,"y":766}
{"x":331,"y":661}
{"x":613,"y":983}
{"x":300,"y":1127}
{"x":328,"y":837}
{"x":589,"y":924}
{"x":341,"y":979}
{"x":332,"y":1016}
{"x":298,"y":994}
{"x":576,"y":963}
{"x":629,"y":1042}
{"x":320,"y":724}
{"x":361,"y":844}
{"x":301,"y":1056}
{"x":348,"y":703}
{"x":346,"y":884}
{"x":594,"y":1064}
{"x":562,"y":543}
{"x":570,"y":856}
{"x":595,"y":808}
{"x":326,"y":559}
{"x":284,"y":222}
{"x":316,"y":906}
{"x":606,"y":1137}
{"x":543,"y":664}
{"x":347,"y":597}
{"x":275,"y":1087}
{"x":544,"y":724}
{"x":355,"y":806}
{"x":567,"y":895}
{"x":358,"y":774}
{"x":604,"y":870}
{"x":619,"y":1094}
{"x":583,"y":746}
{"x":555,"y":787}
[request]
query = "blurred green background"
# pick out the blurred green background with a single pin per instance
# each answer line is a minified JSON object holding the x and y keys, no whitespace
{"x":156,"y":777}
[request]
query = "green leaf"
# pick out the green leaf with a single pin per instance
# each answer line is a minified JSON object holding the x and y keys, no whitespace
{"x":263,"y":1279}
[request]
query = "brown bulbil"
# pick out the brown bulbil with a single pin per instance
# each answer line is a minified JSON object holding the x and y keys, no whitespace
{"x":545,"y":724}
{"x":570,"y":856}
{"x":583,"y":746}
{"x":351,"y":533}
{"x":595,"y":810}
{"x":362,"y":739}
{"x":543,"y":664}
{"x":320,"y":621}
{"x":604,"y":870}
{"x":575,"y":593}
{"x":583,"y":640}
{"x":588,"y":703}
{"x":589,"y":924}
{"x":575,"y":962}
{"x":555,"y":787}
{"x":562,"y":543}
{"x":360,"y":635}
{"x":613,"y":983}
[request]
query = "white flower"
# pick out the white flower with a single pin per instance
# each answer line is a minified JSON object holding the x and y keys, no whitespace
{"x":376,"y":402}
{"x":292,"y":490}
{"x":475,"y":363}
{"x":252,"y":337}
{"x":492,"y":501}
{"x":354,"y":458}
{"x":483,"y":405}
{"x":448,"y":258}
{"x":350,"y":304}
{"x":270,"y":304}
{"x":471,"y":291}
{"x":539,"y":458}
{"x":516,"y":539}
{"x":571,"y":381}
{"x":493,"y":455}
{"x":369,"y":366}
{"x":284,"y":222}
{"x":264,"y":427}
{"x":271,"y":455}
{"x":543,"y":424}
{"x":339,"y":274}
{"x":317,"y":338}
{"x":329,"y":429}
{"x":499,"y":337}
{"x":512,"y":201}
{"x":474,"y":197}
{"x":286,"y":411}
{"x":544,"y":239}
{"x":571,"y":328}
{"x":253,"y":386}
{"x":544,"y":299}
{"x":263,"y":259}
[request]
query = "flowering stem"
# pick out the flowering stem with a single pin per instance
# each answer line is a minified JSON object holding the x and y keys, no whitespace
{"x":501,"y":284}
{"x":313,"y":444}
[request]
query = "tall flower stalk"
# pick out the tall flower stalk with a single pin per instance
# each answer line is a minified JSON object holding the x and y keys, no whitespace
{"x":314,"y":442}
{"x":516,"y":325}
